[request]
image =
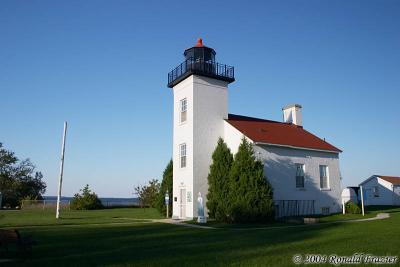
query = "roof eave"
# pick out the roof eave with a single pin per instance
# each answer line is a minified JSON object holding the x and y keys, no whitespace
{"x":298,"y":147}
{"x":367,"y":180}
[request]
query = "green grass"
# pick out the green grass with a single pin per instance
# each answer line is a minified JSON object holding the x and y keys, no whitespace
{"x":15,"y":218}
{"x":88,"y":239}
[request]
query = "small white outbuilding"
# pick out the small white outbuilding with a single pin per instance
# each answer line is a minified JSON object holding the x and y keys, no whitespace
{"x":348,"y":194}
{"x":381,"y":190}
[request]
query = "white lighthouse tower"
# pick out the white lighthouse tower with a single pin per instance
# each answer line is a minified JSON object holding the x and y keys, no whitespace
{"x":200,"y":87}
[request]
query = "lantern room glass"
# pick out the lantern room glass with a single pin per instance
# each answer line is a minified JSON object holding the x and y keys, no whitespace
{"x":202,"y":54}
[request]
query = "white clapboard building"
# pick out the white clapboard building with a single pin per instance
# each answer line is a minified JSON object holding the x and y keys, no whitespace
{"x":381,"y":190}
{"x":302,"y":168}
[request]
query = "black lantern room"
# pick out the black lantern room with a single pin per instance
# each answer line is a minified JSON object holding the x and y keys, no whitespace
{"x":199,"y":52}
{"x":200,"y":60}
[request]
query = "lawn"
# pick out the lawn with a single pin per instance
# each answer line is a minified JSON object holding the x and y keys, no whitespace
{"x":38,"y":217}
{"x":120,"y":237}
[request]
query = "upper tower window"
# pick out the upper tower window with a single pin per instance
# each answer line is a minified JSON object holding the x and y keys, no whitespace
{"x":183,"y":108}
{"x":182,"y":155}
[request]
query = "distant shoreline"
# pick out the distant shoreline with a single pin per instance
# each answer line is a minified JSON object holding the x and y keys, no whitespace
{"x":107,"y":201}
{"x":69,"y":198}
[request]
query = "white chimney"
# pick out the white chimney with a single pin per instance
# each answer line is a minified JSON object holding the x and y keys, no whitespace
{"x":292,"y":114}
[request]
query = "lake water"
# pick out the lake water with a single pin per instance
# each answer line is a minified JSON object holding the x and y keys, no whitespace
{"x":106,"y":201}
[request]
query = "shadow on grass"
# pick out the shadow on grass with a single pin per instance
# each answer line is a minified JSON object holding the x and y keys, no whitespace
{"x":156,"y":244}
{"x":387,"y":209}
{"x":171,"y":245}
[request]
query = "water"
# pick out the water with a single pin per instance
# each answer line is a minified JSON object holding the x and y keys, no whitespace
{"x":106,"y":201}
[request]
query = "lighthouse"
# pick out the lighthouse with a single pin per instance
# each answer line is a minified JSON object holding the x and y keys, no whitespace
{"x":200,"y":89}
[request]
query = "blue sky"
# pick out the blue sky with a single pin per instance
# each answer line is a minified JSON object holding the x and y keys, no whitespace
{"x":102,"y":65}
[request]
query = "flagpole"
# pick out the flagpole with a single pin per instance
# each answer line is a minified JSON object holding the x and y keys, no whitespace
{"x":362,"y":200}
{"x":61,"y":170}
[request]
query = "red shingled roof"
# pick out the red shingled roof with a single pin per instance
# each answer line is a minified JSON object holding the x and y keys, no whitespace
{"x":391,"y":179}
{"x":278,"y":133}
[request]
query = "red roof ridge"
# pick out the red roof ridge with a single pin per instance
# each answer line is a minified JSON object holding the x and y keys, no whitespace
{"x":279,"y":133}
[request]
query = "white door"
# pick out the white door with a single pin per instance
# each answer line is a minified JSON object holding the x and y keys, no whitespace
{"x":396,"y":195}
{"x":182,"y":204}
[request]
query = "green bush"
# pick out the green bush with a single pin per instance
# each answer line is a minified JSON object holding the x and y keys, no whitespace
{"x":250,"y":195}
{"x":352,"y":208}
{"x":147,"y":194}
{"x":166,"y":185}
{"x":218,"y":182}
{"x":238,"y":191}
{"x":88,"y":200}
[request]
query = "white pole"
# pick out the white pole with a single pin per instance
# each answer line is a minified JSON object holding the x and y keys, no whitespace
{"x":343,"y":207}
{"x":362,"y":200}
{"x":61,"y":170}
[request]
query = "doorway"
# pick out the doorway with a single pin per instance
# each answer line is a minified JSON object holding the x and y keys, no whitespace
{"x":182,"y":204}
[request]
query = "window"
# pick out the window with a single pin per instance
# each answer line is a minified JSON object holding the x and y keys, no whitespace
{"x":182,"y":153}
{"x":325,"y":211}
{"x":375,"y":190}
{"x":299,"y":175}
{"x":323,"y":177}
{"x":183,"y":108}
{"x":189,"y":196}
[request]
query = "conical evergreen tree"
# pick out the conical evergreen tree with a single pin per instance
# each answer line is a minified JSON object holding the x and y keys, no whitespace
{"x":250,"y":196}
{"x":218,"y":181}
{"x":166,"y":184}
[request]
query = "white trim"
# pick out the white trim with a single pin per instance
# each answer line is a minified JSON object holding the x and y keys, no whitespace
{"x":325,"y":189}
{"x":297,"y":147}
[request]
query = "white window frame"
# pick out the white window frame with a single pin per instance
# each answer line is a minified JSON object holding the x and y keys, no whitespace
{"x":182,"y":155}
{"x":322,"y":177}
{"x":183,"y":110}
{"x":297,"y":165}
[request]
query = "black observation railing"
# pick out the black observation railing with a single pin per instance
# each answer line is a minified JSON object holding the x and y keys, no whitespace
{"x":199,"y":67}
